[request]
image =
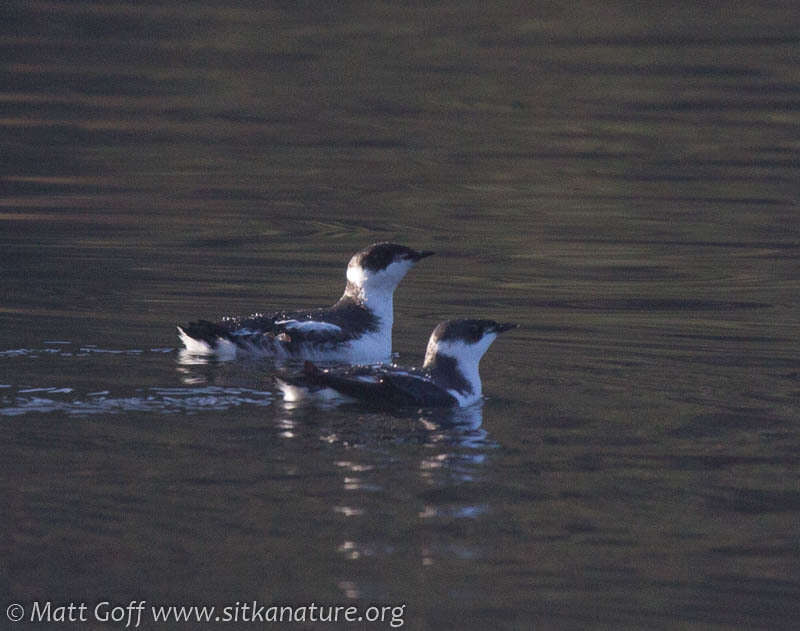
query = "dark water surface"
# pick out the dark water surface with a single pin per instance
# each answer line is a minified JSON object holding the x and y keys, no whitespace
{"x":619,"y":178}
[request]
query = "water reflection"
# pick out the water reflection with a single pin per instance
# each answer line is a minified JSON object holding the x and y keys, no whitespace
{"x":186,"y":358}
{"x":436,"y":483}
{"x":445,"y":453}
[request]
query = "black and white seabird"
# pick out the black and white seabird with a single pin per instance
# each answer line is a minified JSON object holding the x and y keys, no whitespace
{"x":357,"y":329}
{"x":448,"y":378}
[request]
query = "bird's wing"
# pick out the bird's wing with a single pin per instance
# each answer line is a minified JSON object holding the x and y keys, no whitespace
{"x":382,"y":388}
{"x":417,"y":391}
{"x":291,"y":330}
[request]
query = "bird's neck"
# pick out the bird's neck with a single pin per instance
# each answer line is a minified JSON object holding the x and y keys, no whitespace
{"x":451,"y":374}
{"x":379,"y":301}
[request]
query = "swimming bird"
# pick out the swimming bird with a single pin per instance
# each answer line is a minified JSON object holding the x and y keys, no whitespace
{"x":448,"y":378}
{"x":356,"y":329}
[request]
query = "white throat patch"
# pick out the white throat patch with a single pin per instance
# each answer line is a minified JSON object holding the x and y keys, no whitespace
{"x":467,"y":358}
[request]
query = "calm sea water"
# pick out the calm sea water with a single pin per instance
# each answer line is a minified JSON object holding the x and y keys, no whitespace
{"x":620,"y":179}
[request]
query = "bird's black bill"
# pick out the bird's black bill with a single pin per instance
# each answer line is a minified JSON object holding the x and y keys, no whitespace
{"x":416,"y":256}
{"x":504,"y":326}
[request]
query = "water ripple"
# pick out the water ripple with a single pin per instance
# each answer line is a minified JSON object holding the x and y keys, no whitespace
{"x":160,"y":400}
{"x":61,"y":349}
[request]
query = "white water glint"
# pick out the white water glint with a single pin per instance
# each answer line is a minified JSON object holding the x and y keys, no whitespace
{"x":153,"y":400}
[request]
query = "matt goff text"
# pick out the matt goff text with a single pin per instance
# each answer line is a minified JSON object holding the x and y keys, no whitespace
{"x":131,"y":615}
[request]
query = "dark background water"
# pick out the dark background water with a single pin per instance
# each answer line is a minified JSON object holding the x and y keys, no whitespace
{"x":620,"y":178}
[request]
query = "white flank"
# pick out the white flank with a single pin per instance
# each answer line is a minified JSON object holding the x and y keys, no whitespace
{"x":193,"y":346}
{"x":297,"y":394}
{"x":310,"y":325}
{"x":226,"y":350}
